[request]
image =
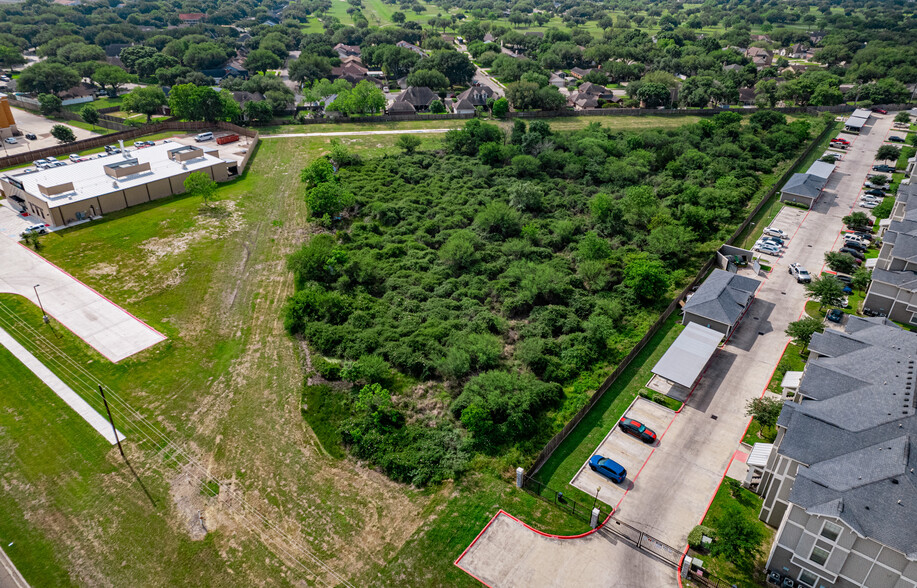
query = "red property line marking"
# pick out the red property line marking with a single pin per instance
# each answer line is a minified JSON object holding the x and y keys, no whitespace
{"x":91,"y":289}
{"x":502,"y":512}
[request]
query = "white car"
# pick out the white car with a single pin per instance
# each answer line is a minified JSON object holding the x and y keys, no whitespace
{"x":10,"y":140}
{"x":872,"y":186}
{"x":868,"y":205}
{"x":766,"y":248}
{"x":74,"y":157}
{"x":771,"y":231}
{"x":39,"y":228}
{"x":801,"y":274}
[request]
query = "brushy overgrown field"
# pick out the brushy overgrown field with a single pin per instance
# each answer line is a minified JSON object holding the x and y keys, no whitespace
{"x":471,"y":298}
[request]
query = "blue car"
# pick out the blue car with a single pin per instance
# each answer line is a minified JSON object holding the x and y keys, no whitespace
{"x":608,"y":468}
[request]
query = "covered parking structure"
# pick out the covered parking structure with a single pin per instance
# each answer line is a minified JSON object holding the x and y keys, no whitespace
{"x":681,"y":366}
{"x":857,"y":120}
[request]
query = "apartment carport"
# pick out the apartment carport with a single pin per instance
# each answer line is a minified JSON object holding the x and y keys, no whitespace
{"x":681,"y":366}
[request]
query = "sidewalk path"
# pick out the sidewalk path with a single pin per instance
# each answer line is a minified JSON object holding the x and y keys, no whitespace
{"x":102,"y":324}
{"x":351,"y":133}
{"x":9,"y":575}
{"x":82,"y":408}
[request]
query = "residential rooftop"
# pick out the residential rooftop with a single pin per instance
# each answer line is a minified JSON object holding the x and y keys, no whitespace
{"x":722,"y":297}
{"x":853,"y":429}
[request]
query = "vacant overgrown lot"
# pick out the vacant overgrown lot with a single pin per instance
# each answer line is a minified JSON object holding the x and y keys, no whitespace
{"x":474,"y":297}
{"x":226,"y":387}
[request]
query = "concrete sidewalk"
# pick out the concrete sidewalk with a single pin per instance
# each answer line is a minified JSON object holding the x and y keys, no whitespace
{"x":9,"y":575}
{"x":74,"y":400}
{"x":105,"y":326}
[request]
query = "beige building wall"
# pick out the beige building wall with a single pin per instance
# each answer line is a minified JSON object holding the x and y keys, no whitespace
{"x":159,"y":189}
{"x":112,"y":202}
{"x":136,"y":195}
{"x":220,"y":172}
{"x":178,"y":183}
{"x":86,"y":208}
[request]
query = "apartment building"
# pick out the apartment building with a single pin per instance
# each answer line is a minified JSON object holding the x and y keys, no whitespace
{"x":840,"y":482}
{"x":893,"y":291}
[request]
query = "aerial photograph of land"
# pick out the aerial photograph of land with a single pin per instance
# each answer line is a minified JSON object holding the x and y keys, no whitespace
{"x":458,"y":293}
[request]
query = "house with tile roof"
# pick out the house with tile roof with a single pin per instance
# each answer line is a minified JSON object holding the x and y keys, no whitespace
{"x":840,"y":482}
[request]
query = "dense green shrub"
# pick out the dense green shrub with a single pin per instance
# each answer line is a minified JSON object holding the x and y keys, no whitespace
{"x":696,"y":535}
{"x":452,"y":267}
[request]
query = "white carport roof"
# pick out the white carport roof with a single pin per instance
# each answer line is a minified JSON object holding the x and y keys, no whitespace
{"x":759,"y":455}
{"x":686,"y":358}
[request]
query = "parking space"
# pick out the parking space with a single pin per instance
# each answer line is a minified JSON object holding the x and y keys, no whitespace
{"x":28,"y":122}
{"x":628,"y":451}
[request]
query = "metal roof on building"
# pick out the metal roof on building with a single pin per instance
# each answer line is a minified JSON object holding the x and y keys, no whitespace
{"x":90,"y":180}
{"x":686,"y":358}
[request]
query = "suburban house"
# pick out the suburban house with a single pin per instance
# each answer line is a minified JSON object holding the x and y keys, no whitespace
{"x":558,"y":79}
{"x":401,"y":107}
{"x":79,"y":94}
{"x":488,"y":38}
{"x":7,"y":122}
{"x":840,"y":482}
{"x":477,"y":95}
{"x":351,"y":70}
{"x":419,"y":97}
{"x":95,"y":187}
{"x":733,"y":67}
{"x":720,"y":301}
{"x":857,"y":120}
{"x":412,"y":47}
{"x":191,"y":18}
{"x":760,"y":57}
{"x":242,"y":98}
{"x":232,"y":68}
{"x":805,"y":188}
{"x":590,"y":95}
{"x":347,"y":50}
{"x":747,"y":96}
{"x":578,"y":72}
{"x":893,"y":291}
{"x":463,"y":106}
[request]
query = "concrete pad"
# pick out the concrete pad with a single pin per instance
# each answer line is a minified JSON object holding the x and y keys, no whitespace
{"x":670,"y":389}
{"x":508,"y":554}
{"x":738,"y":469}
{"x":106,"y":327}
{"x":626,"y":450}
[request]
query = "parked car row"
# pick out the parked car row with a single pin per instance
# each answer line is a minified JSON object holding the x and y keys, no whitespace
{"x":612,"y":469}
{"x":769,"y":245}
{"x":48,"y":162}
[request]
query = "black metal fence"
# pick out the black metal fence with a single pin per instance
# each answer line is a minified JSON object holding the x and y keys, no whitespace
{"x":565,"y":503}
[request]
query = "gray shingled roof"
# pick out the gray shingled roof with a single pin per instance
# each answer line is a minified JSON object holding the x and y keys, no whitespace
{"x":805,"y":185}
{"x":417,"y":96}
{"x":853,"y":430}
{"x":722,"y":297}
{"x":902,"y":279}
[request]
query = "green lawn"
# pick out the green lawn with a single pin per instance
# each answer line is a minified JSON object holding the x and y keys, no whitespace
{"x":758,"y":434}
{"x":906,"y":153}
{"x":579,"y":445}
{"x":738,"y":571}
{"x":791,"y":361}
{"x":98,"y":103}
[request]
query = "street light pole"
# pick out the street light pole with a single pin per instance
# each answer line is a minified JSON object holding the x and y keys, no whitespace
{"x":43,"y":313}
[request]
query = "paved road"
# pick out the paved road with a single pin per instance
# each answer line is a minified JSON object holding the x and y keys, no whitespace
{"x":352,"y":133}
{"x":699,"y":445}
{"x":482,"y":77}
{"x":9,"y":575}
{"x":509,"y":554}
{"x":108,"y":328}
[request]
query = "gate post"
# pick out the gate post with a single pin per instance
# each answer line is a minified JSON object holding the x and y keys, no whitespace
{"x":519,"y":474}
{"x":594,"y":521}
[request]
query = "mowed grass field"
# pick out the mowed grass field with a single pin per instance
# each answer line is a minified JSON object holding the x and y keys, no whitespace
{"x":225,"y":389}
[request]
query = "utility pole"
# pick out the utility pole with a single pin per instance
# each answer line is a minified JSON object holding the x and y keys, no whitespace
{"x":112,"y":421}
{"x":44,"y":315}
{"x":121,"y":449}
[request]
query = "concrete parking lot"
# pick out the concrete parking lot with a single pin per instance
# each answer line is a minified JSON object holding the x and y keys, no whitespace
{"x":28,"y":122}
{"x":628,"y":451}
{"x":508,"y":553}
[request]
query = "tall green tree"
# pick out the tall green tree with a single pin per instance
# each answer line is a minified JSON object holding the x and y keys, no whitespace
{"x":10,"y":57}
{"x":738,"y":538}
{"x":90,"y":115}
{"x":112,"y":76}
{"x":147,"y":100}
{"x":801,"y":331}
{"x":63,"y":133}
{"x":828,"y":290}
{"x":49,"y":104}
{"x":46,"y":77}
{"x":200,"y":184}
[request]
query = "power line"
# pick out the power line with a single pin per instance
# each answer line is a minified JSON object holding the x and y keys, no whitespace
{"x":151,"y":433}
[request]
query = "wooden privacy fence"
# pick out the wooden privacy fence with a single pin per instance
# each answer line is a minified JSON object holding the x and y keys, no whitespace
{"x":559,"y":438}
{"x":102,"y":140}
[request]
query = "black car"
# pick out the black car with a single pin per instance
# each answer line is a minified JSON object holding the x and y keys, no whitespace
{"x":896,"y":139}
{"x":637,"y":429}
{"x":862,"y":235}
{"x":875,"y":192}
{"x":853,"y":253}
{"x":844,"y":278}
{"x":31,"y":136}
{"x":855,"y":245}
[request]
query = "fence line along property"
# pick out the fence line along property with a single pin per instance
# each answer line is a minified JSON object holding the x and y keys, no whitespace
{"x":559,"y":438}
